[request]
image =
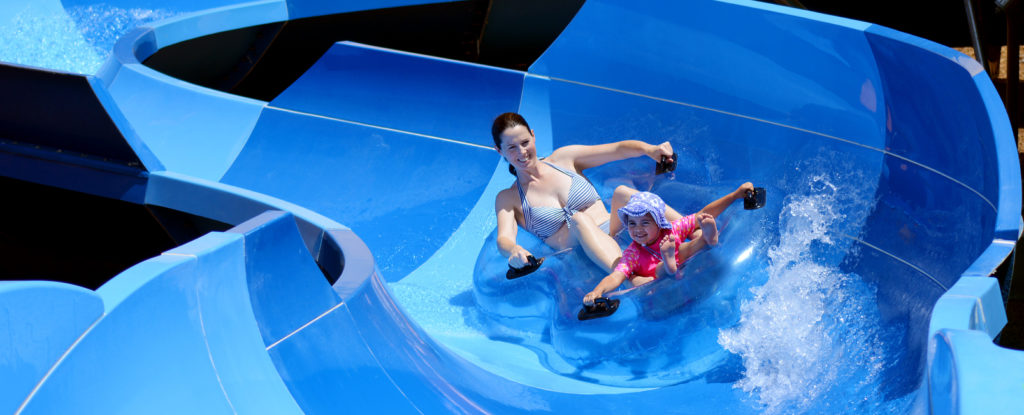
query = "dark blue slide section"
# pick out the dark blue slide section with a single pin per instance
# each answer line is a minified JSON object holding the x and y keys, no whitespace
{"x":65,"y":120}
{"x":741,"y":65}
{"x":60,"y":111}
{"x":425,"y":95}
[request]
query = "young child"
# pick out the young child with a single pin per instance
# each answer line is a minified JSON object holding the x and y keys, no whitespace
{"x":659,"y":246}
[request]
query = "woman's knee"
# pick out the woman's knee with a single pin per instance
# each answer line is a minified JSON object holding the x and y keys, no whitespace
{"x":623,"y":193}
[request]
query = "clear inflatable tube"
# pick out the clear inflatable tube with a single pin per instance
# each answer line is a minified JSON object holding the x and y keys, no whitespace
{"x":643,"y":343}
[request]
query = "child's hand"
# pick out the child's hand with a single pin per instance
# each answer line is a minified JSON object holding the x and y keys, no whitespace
{"x":590,"y":297}
{"x":741,"y":192}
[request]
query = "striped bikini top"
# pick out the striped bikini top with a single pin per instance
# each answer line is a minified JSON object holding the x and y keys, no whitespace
{"x":544,"y":221}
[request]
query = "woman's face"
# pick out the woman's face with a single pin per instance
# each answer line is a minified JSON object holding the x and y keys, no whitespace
{"x":643,"y":229}
{"x":518,"y":146}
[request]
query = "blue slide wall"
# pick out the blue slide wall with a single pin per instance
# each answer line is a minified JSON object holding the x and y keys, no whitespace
{"x":391,"y":149}
{"x":423,"y":137}
{"x":867,"y":105}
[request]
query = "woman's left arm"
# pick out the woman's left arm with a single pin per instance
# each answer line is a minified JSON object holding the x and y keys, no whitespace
{"x":583,"y":157}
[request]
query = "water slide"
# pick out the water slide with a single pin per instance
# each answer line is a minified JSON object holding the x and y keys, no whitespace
{"x":356,"y":269}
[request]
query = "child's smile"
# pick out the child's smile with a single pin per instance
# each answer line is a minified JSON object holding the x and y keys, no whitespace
{"x":643,"y":229}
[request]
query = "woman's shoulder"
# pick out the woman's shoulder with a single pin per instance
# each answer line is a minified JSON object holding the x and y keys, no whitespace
{"x":507,"y":196}
{"x":565,"y":153}
{"x":564,"y":158}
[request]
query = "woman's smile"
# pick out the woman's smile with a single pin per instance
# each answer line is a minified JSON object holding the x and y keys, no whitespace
{"x":517,"y":145}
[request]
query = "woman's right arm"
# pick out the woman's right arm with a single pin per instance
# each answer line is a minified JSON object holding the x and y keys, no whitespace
{"x":507,"y":229}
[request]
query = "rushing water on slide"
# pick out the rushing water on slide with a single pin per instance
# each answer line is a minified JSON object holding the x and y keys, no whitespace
{"x":809,"y":336}
{"x":78,"y":40}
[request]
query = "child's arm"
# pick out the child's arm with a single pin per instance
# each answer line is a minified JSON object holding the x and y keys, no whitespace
{"x":611,"y":282}
{"x":718,"y":206}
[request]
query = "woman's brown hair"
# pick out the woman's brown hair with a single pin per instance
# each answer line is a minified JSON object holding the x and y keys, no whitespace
{"x":502,"y":123}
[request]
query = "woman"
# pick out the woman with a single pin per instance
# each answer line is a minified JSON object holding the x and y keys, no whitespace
{"x":551,"y":199}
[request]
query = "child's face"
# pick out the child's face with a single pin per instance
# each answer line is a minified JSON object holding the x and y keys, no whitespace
{"x":643,"y":229}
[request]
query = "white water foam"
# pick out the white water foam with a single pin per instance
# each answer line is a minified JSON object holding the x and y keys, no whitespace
{"x":43,"y":35}
{"x":808,"y":338}
{"x":102,"y":25}
{"x":78,"y":40}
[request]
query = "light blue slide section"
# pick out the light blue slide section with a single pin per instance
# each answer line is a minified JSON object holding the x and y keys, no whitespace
{"x":41,"y":320}
{"x":180,"y":322}
{"x":361,"y":273}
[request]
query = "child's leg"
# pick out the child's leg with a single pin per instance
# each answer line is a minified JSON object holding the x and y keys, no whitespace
{"x":668,"y":264}
{"x":717,"y":207}
{"x":695,"y":244}
{"x":686,"y":250}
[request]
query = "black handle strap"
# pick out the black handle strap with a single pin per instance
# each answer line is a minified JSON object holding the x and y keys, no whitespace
{"x":514,"y":272}
{"x":666,"y":165}
{"x":602,"y":307}
{"x":755,"y":199}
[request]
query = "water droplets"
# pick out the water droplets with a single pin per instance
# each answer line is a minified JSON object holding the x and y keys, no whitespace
{"x":77,"y":40}
{"x":801,"y":336}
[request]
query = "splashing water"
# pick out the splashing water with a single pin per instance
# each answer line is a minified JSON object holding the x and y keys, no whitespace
{"x":101,"y":25}
{"x":77,"y":40}
{"x":43,"y":37}
{"x":807,"y":338}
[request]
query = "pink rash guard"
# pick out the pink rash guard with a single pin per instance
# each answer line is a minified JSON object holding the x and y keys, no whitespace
{"x":638,"y":260}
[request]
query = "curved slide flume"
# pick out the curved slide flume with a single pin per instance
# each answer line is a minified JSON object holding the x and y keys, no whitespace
{"x":362,"y":199}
